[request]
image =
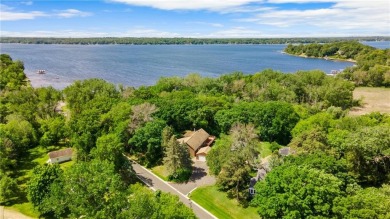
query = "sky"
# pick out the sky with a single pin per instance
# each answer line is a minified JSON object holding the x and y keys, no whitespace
{"x":195,"y":18}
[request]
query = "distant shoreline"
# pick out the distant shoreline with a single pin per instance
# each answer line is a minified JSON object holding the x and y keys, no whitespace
{"x":183,"y":40}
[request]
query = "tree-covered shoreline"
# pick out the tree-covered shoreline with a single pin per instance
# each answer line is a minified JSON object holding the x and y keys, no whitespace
{"x":372,"y":66}
{"x":182,"y":40}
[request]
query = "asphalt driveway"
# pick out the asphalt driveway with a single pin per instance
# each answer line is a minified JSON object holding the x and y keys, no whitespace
{"x":199,"y":177}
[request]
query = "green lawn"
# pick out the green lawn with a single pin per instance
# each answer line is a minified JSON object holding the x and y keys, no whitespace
{"x":161,"y":172}
{"x":265,"y":149}
{"x":36,"y":156}
{"x":25,"y":208}
{"x":218,"y":204}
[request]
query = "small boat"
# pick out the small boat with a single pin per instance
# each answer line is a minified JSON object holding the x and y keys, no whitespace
{"x":41,"y":71}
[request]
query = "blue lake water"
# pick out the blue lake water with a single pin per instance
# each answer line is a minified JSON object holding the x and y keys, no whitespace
{"x":136,"y":65}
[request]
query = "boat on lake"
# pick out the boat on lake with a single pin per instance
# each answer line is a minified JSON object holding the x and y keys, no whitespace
{"x":41,"y":71}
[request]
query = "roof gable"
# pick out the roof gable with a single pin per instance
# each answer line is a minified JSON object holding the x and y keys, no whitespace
{"x":197,"y":139}
{"x":204,"y":150}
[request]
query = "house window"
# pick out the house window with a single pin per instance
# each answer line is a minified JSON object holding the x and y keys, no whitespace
{"x":252,"y":191}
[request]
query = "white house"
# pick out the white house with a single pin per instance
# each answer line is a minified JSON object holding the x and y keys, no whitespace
{"x":60,"y":156}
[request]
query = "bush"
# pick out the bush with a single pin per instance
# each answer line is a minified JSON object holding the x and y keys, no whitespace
{"x":181,"y":175}
{"x":274,"y":146}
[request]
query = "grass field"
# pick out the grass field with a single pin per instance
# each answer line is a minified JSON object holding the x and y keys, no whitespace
{"x":374,"y":99}
{"x":265,"y":149}
{"x":218,"y":204}
{"x":161,"y":172}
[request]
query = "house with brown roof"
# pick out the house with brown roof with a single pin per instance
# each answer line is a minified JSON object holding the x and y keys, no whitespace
{"x":197,"y":143}
{"x":60,"y":156}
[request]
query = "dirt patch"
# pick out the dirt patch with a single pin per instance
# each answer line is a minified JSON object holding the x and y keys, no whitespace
{"x":374,"y":99}
{"x":11,"y":214}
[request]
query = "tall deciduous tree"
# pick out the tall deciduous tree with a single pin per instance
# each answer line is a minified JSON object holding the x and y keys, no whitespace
{"x":366,"y":203}
{"x":368,"y":154}
{"x":143,"y":203}
{"x":140,"y":115}
{"x":8,"y":188}
{"x":296,"y":192}
{"x":38,"y":188}
{"x":147,"y":142}
{"x":244,"y":142}
{"x":109,"y":148}
{"x":94,"y":190}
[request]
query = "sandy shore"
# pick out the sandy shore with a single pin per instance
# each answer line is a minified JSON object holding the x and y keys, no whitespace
{"x":326,"y":58}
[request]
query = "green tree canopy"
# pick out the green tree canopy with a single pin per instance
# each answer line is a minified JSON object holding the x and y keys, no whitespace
{"x":296,"y":192}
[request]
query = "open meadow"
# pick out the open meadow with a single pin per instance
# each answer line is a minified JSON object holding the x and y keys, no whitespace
{"x":373,"y":99}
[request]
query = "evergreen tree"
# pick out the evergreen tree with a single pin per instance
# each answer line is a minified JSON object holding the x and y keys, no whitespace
{"x":167,"y":133}
{"x":234,"y":178}
{"x":172,"y":159}
{"x":177,"y":160}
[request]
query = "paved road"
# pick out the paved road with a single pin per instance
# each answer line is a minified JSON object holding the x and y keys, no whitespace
{"x":156,"y":183}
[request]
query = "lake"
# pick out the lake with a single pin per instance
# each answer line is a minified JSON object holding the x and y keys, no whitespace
{"x":137,"y":65}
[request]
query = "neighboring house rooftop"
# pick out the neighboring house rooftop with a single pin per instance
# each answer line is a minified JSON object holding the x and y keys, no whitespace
{"x":285,"y":151}
{"x":61,"y":153}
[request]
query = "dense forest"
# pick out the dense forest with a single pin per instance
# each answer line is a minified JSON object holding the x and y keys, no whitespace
{"x":168,"y":41}
{"x":372,"y":65}
{"x":339,"y":166}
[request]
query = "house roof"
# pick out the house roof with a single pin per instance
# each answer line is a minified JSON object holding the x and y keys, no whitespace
{"x":196,"y":140}
{"x":284,"y":151}
{"x":183,"y":140}
{"x":61,"y":153}
{"x":204,"y":150}
{"x":261,"y":173}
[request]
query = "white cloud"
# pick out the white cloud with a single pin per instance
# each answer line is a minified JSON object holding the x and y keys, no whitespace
{"x":10,"y":14}
{"x":49,"y":33}
{"x":27,"y":3}
{"x":188,"y":4}
{"x":369,"y":17}
{"x":13,"y":16}
{"x":136,"y":32}
{"x":207,"y":23}
{"x":236,"y":32}
{"x":146,"y":32}
{"x":73,"y":13}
